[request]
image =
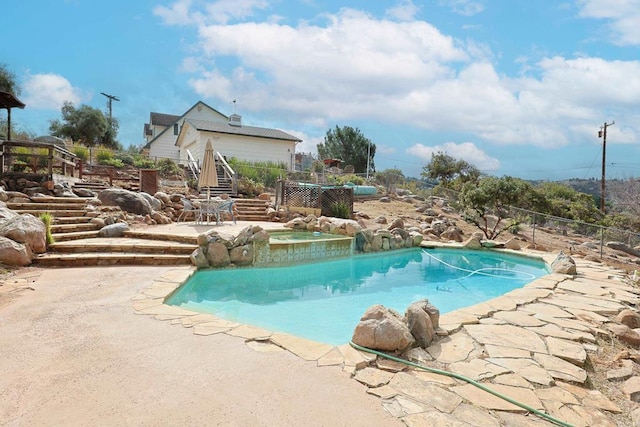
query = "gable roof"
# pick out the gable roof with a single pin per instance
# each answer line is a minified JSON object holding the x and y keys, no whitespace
{"x":177,"y":119}
{"x":203,"y":125}
{"x":162,"y":119}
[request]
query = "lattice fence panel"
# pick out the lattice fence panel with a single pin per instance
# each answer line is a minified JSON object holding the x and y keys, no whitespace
{"x":330,"y":197}
{"x":315,"y":197}
{"x":305,"y":197}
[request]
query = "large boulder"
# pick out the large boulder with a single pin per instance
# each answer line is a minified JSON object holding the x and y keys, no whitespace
{"x":6,"y":213}
{"x":423,"y":319}
{"x":382,"y":329}
{"x":242,"y":255}
{"x":564,"y":264}
{"x":14,"y":253}
{"x":218,"y":254}
{"x":156,"y":204}
{"x":28,"y":230}
{"x":127,"y":201}
{"x":114,"y":230}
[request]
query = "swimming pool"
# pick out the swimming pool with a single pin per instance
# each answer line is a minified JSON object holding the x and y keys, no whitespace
{"x":324,"y":301}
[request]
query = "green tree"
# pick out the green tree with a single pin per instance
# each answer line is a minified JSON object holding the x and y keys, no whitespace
{"x":349,"y":145}
{"x":8,"y":81}
{"x":451,"y":172}
{"x":390,"y":178}
{"x":566,"y":202}
{"x":85,"y":124}
{"x":486,"y":203}
{"x":109,"y":139}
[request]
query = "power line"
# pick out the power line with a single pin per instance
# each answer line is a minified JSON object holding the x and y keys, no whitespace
{"x":109,"y":99}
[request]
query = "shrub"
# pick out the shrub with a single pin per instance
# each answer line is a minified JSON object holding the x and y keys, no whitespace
{"x":249,"y":187}
{"x":352,"y":178}
{"x":47,"y":220}
{"x":116,"y":163}
{"x":104,"y":156}
{"x":143,"y":162}
{"x":81,"y":151}
{"x":125,"y":157}
{"x":265,"y":173}
{"x":168,"y":168}
{"x":340,"y":210}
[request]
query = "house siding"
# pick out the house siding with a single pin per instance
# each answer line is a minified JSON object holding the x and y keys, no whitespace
{"x":243,"y":147}
{"x":163,"y":146}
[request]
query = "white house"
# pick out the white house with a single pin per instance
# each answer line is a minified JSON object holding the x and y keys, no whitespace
{"x":175,"y":136}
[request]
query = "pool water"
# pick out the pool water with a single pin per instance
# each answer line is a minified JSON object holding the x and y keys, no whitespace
{"x":324,"y":301}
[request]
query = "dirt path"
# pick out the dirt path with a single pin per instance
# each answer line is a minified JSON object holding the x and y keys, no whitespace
{"x":74,"y":353}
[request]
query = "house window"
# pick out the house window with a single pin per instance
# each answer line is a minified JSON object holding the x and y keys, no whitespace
{"x":175,"y":128}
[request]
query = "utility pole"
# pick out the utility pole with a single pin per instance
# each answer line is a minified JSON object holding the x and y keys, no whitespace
{"x":109,"y":99}
{"x":602,"y":133}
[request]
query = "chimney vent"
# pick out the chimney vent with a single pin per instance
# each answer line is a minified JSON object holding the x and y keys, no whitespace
{"x":235,"y":120}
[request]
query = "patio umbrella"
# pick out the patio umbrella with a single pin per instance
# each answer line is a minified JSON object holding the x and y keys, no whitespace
{"x":208,"y":174}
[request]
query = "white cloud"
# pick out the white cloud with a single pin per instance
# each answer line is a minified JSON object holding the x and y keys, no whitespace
{"x":623,"y":18}
{"x":185,"y":12}
{"x":464,"y":7}
{"x":464,"y":151}
{"x":406,"y":10}
{"x":356,"y":67}
{"x":223,"y":11}
{"x":350,"y":67}
{"x":49,"y":92}
{"x":176,"y":14}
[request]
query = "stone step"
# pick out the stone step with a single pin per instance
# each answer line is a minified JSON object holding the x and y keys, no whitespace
{"x":72,"y":228}
{"x":71,"y":219}
{"x":64,"y":237}
{"x":130,"y":246}
{"x":192,"y":240}
{"x":57,"y":200}
{"x":245,"y":217}
{"x":109,"y":258}
{"x":46,"y":206}
{"x":56,"y":213}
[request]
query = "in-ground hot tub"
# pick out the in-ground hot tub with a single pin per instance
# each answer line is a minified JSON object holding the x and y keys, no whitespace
{"x":291,"y":247}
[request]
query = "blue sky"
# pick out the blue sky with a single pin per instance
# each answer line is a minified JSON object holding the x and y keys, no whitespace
{"x":515,"y":87}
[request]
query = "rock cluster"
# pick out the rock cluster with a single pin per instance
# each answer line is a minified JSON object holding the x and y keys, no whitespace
{"x":366,"y":240}
{"x":215,"y":251}
{"x":384,"y":329}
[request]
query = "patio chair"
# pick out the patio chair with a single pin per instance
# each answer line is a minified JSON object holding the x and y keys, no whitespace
{"x":188,"y":207}
{"x":226,"y":206}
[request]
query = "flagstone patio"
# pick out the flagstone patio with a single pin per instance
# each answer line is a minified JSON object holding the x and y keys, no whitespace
{"x":533,"y":344}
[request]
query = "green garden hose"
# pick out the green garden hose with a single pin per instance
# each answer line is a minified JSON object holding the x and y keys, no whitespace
{"x":466,"y":379}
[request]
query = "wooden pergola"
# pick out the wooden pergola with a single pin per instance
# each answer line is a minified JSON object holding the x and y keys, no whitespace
{"x":9,"y":101}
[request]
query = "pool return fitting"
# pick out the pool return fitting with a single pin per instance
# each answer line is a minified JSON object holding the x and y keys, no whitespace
{"x":466,"y":379}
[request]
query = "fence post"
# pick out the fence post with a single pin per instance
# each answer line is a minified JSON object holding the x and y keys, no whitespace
{"x":533,"y":235}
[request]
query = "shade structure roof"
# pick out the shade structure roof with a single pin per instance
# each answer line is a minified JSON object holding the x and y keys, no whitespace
{"x":208,"y":175}
{"x":8,"y":101}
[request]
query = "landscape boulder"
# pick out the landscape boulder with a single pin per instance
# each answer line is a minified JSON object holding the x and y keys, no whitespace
{"x":26,"y":229}
{"x":114,"y":230}
{"x":628,"y":318}
{"x":423,"y":319}
{"x":383,"y":329}
{"x":127,"y":201}
{"x":14,"y":253}
{"x":564,"y":264}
